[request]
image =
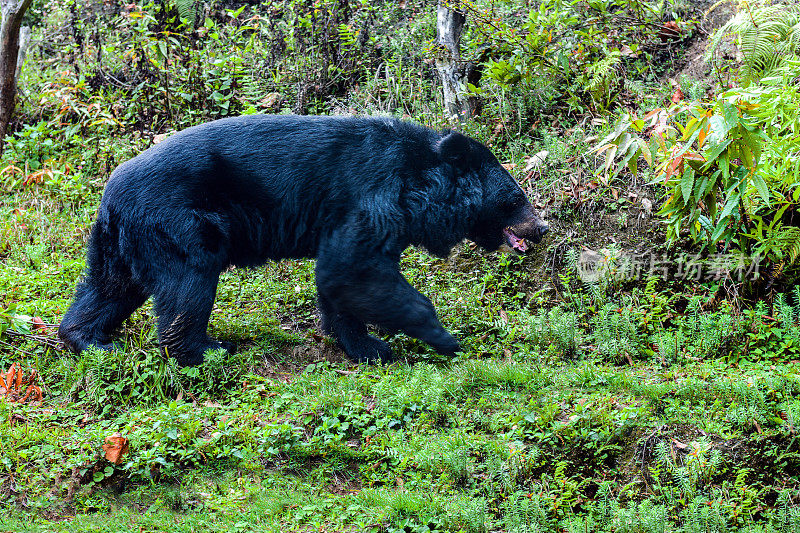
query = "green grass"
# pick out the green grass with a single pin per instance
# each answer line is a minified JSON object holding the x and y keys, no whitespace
{"x":537,"y":425}
{"x":616,"y":406}
{"x":598,"y":407}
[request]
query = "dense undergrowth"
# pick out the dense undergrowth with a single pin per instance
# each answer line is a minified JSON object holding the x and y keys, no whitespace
{"x":611,"y":381}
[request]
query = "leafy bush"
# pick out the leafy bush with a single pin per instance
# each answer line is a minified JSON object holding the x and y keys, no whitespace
{"x":567,"y":49}
{"x":727,"y":165}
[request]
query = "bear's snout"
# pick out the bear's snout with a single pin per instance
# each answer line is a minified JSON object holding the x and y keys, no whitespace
{"x":539,"y":232}
{"x":532,"y":227}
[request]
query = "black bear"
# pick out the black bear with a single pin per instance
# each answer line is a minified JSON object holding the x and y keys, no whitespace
{"x":351,"y":192}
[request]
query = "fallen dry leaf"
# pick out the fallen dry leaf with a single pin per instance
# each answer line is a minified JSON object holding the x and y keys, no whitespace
{"x":670,"y":31}
{"x":115,"y":447}
{"x":14,"y":382}
{"x":38,"y":324}
{"x":679,"y":444}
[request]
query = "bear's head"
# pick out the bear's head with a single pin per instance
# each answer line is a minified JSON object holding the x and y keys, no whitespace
{"x":503,"y":214}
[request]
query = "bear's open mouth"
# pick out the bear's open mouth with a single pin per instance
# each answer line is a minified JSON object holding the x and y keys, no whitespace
{"x":516,"y":243}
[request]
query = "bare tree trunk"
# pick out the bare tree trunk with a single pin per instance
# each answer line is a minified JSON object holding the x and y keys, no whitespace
{"x":24,"y":41}
{"x":452,"y":71}
{"x":12,"y":12}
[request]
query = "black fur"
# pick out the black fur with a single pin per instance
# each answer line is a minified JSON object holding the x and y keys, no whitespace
{"x":351,"y":192}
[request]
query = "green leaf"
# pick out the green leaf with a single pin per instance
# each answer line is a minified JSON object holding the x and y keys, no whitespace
{"x":162,"y":48}
{"x":730,"y":205}
{"x":630,"y":157}
{"x":731,"y":114}
{"x":714,"y":151}
{"x":687,"y":184}
{"x":706,"y":224}
{"x":711,"y":204}
{"x":646,"y":153}
{"x":753,"y":143}
{"x":722,"y":225}
{"x":623,"y":124}
{"x":761,"y":185}
{"x":633,"y":164}
{"x":718,"y":129}
{"x":691,"y":127}
{"x":612,"y":152}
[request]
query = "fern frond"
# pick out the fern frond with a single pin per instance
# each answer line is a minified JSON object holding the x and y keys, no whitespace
{"x":188,"y":10}
{"x":786,"y":240}
{"x":767,"y":35}
{"x":604,"y":71}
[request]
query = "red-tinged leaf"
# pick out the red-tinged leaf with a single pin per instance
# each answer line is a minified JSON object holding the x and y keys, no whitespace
{"x":674,"y":165}
{"x":38,"y":324}
{"x":669,"y":32}
{"x":12,"y":372}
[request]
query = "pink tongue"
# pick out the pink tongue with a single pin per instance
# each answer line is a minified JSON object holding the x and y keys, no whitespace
{"x":516,"y":242}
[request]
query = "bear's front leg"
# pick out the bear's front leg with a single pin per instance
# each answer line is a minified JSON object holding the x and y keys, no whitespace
{"x":351,"y":334}
{"x":372,"y":291}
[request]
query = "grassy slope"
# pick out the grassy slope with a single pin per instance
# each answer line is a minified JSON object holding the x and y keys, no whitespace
{"x":288,"y":435}
{"x":525,"y":432}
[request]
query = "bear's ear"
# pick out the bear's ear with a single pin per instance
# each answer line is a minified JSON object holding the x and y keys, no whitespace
{"x":454,"y":148}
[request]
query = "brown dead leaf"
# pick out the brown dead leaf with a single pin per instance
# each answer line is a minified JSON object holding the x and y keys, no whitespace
{"x":9,"y":382}
{"x":670,"y":31}
{"x":14,"y":382}
{"x":115,"y":447}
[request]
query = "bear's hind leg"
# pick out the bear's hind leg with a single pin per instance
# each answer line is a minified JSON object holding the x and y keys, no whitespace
{"x":100,"y":307}
{"x":183,"y":305}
